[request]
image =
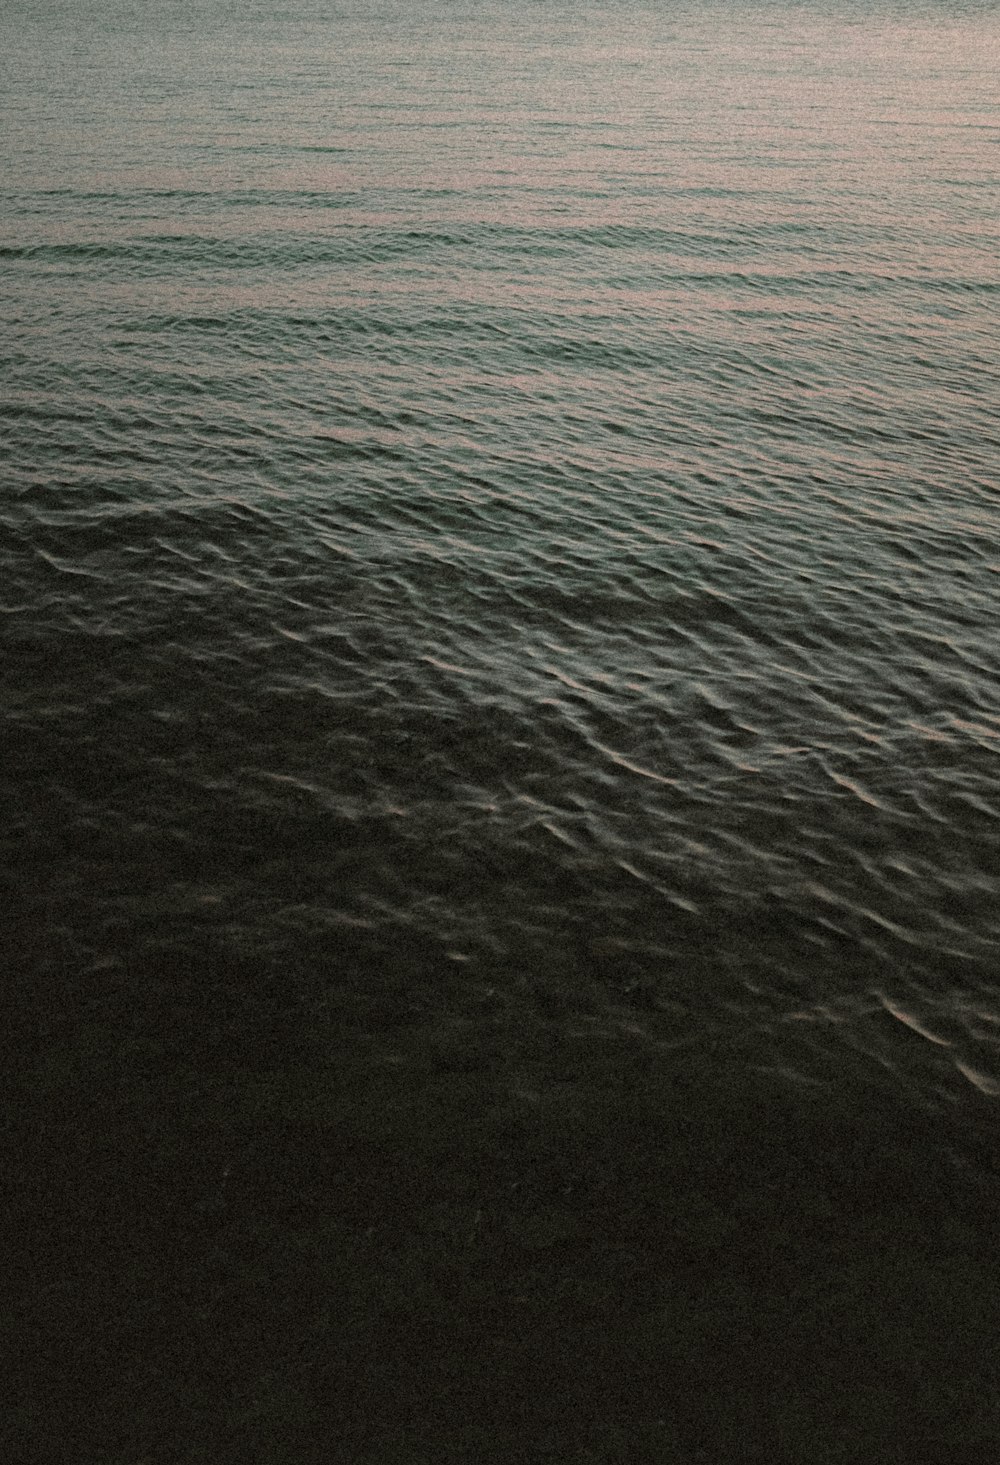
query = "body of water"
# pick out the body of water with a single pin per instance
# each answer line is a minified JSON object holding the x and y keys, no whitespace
{"x":501,"y":532}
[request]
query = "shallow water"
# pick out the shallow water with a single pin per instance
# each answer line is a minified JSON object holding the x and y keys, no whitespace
{"x":520,"y":480}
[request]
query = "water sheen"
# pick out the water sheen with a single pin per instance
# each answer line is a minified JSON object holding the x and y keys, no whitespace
{"x":500,"y":509}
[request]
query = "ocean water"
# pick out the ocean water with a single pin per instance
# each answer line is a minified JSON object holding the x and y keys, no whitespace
{"x":501,"y":516}
{"x":524,"y":479}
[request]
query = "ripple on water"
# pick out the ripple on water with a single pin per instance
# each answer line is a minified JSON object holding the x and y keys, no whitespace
{"x":564,"y":538}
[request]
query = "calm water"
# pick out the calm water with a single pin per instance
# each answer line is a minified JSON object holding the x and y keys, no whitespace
{"x":501,"y":510}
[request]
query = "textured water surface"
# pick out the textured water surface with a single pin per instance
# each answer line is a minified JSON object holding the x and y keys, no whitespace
{"x":506,"y":502}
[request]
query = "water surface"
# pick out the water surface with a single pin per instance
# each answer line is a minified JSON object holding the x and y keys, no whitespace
{"x":500,"y":525}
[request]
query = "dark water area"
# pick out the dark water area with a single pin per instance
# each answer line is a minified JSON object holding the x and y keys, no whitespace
{"x":499,"y":568}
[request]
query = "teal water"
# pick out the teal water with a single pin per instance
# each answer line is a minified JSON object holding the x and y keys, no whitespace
{"x":500,"y":518}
